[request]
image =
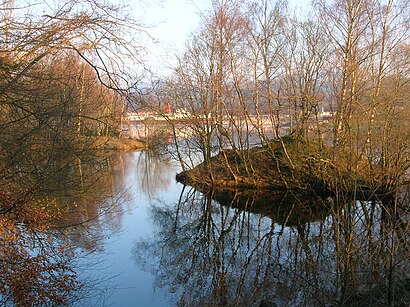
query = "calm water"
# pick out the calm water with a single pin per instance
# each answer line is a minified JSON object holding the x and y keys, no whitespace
{"x":157,"y":243}
{"x":113,"y":276}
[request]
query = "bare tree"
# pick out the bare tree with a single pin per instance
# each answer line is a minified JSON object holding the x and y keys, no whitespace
{"x":45,"y":88}
{"x":346,"y":23}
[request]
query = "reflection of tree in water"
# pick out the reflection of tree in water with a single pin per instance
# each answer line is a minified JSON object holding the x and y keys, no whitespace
{"x":94,"y":188}
{"x":87,"y":193}
{"x":90,"y":193}
{"x":154,"y":172}
{"x":67,"y":200}
{"x":212,"y":254}
{"x":35,"y":261}
{"x":99,"y":208}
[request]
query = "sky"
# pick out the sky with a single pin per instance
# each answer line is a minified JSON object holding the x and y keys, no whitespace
{"x":171,"y":22}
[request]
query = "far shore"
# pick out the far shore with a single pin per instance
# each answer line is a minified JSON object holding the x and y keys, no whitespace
{"x":117,"y":144}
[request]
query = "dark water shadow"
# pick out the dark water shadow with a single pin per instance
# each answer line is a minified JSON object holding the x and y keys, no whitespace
{"x":232,"y":249}
{"x":288,"y":208}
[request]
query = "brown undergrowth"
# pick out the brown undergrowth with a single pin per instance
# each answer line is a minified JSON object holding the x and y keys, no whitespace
{"x":34,"y":261}
{"x":290,"y":165}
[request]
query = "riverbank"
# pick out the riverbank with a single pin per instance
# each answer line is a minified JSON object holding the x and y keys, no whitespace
{"x":287,"y":165}
{"x":113,"y":144}
{"x":119,"y":144}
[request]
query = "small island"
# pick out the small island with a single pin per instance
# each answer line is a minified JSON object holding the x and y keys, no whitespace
{"x":287,"y":164}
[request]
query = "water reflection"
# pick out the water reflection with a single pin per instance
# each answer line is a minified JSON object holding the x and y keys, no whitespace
{"x":103,"y":225}
{"x":35,"y":260}
{"x":95,"y":193}
{"x":43,"y":234}
{"x":202,"y":249}
{"x":211,"y":252}
{"x":155,"y":173}
{"x":289,"y":208}
{"x":54,"y":251}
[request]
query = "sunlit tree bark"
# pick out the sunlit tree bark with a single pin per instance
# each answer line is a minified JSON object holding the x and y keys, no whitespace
{"x":346,"y":22}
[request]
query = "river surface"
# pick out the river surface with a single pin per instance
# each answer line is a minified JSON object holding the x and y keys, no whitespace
{"x":112,"y":274}
{"x":145,"y":240}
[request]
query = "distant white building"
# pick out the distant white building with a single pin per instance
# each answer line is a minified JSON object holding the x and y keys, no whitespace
{"x":141,"y":116}
{"x":323,"y":114}
{"x":136,"y":116}
{"x":181,"y":113}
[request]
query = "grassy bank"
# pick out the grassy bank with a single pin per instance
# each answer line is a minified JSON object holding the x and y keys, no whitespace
{"x":112,"y":144}
{"x":289,"y":165}
{"x":122,"y":144}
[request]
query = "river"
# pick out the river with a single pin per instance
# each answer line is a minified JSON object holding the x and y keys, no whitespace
{"x":136,"y":237}
{"x":159,"y":243}
{"x":108,"y":266}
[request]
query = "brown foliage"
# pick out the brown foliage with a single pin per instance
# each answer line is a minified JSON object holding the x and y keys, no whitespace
{"x":34,"y":264}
